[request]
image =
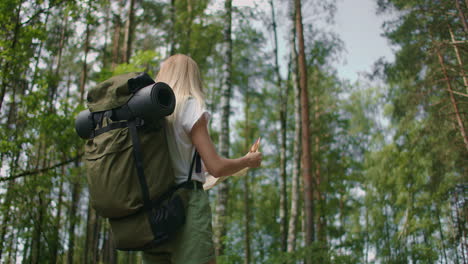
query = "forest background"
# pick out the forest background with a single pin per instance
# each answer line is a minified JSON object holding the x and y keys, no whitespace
{"x":373,"y":171}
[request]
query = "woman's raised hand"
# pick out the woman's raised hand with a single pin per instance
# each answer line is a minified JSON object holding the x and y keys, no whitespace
{"x":254,"y":159}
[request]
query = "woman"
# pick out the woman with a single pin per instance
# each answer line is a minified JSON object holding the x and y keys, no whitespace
{"x":187,"y":130}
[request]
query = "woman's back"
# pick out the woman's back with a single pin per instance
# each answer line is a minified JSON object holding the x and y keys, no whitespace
{"x":180,"y":144}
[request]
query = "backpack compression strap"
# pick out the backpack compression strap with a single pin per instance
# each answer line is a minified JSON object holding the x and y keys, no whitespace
{"x":132,"y":126}
{"x":137,"y":156}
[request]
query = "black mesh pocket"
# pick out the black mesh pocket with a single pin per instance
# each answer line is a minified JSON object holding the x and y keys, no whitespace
{"x":167,"y":219}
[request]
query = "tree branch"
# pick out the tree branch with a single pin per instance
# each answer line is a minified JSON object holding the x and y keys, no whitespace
{"x":37,"y":171}
{"x":32,"y":17}
{"x":455,"y":92}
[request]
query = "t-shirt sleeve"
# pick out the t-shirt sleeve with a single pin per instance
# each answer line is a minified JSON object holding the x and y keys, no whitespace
{"x":191,"y":113}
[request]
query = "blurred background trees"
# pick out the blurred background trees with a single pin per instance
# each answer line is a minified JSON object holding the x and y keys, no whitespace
{"x":387,"y":159}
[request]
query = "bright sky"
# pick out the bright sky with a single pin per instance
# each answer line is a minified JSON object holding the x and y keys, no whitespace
{"x":359,"y":27}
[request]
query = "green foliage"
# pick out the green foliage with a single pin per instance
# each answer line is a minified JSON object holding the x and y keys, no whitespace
{"x":391,"y":156}
{"x":142,"y":61}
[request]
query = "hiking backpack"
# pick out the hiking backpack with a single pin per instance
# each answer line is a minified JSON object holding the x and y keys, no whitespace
{"x":129,"y":171}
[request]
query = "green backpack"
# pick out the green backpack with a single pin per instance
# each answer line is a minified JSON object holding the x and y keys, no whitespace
{"x":129,"y":171}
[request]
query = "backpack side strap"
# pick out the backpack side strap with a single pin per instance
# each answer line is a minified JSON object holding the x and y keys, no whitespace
{"x":137,"y":151}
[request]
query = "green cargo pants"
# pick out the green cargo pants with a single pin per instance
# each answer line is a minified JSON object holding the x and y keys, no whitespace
{"x":193,"y":244}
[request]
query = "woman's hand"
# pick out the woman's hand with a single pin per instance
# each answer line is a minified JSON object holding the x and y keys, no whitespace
{"x":253,"y":159}
{"x":216,"y":165}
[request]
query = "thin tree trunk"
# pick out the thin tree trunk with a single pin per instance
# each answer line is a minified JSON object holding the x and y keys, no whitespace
{"x":247,"y":235}
{"x":461,"y":226}
{"x":116,"y":41}
{"x":247,"y":218}
{"x":36,"y":248}
{"x":6,"y":69}
{"x":26,"y":248}
{"x":92,"y":236}
{"x":282,"y":117}
{"x":459,"y":60}
{"x":108,"y":252}
{"x":453,"y":100}
{"x":96,"y":233}
{"x":84,"y":69}
{"x":106,"y":36}
{"x":111,"y":248}
{"x":104,"y":250}
{"x":462,"y":15}
{"x":223,"y":189}
{"x":56,"y":72}
{"x":62,"y":44}
{"x":57,"y":225}
{"x":37,"y":216}
{"x":295,"y":191}
{"x":6,"y":204}
{"x":172,"y":27}
{"x":76,"y":193}
{"x":306,"y":160}
{"x":320,"y":215}
{"x":38,"y":57}
{"x":442,"y":240}
{"x":128,"y":37}
{"x":188,"y":26}
{"x":366,"y":241}
{"x":72,"y":216}
{"x":12,"y":248}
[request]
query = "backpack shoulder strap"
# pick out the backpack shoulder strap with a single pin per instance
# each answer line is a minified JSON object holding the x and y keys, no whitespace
{"x":196,"y":160}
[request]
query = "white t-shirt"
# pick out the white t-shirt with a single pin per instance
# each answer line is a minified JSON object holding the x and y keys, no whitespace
{"x":180,"y":145}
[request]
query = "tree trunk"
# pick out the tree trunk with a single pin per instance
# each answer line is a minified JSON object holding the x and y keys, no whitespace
{"x":128,"y":37}
{"x":186,"y":47}
{"x":295,"y":191}
{"x":57,"y":225}
{"x":36,"y":248}
{"x":172,"y":27}
{"x":6,"y":69}
{"x":306,"y":160}
{"x":89,"y":235}
{"x":321,"y":223}
{"x":462,"y":15}
{"x":12,"y":248}
{"x":105,"y":59}
{"x":38,"y":57}
{"x":72,"y":216}
{"x":55,"y":76}
{"x":248,"y":217}
{"x":84,"y":69}
{"x":61,"y":44}
{"x":459,"y":60}
{"x":442,"y":240}
{"x":282,"y":118}
{"x":38,"y":215}
{"x":223,"y":189}
{"x":116,"y":59}
{"x":247,"y":209}
{"x":7,"y":202}
{"x":453,"y":100}
{"x":109,"y":254}
{"x":6,"y":215}
{"x":26,"y":250}
{"x":92,"y":236}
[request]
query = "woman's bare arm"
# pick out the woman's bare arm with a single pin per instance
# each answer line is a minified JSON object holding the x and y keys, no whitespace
{"x":215,"y":164}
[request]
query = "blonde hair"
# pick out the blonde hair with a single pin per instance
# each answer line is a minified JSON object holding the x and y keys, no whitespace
{"x":181,"y":73}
